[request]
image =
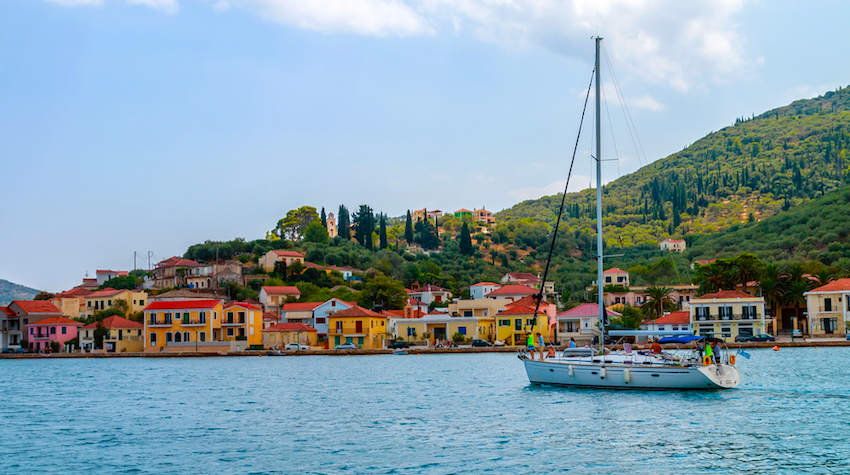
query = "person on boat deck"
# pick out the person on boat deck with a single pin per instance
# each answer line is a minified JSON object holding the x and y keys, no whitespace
{"x":551,"y":352}
{"x":530,"y":344}
{"x":542,"y":344}
{"x":656,"y":347}
{"x":572,"y":342}
{"x":716,"y":351}
{"x":708,"y":351}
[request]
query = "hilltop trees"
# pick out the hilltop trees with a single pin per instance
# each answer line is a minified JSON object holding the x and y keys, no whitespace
{"x":408,"y":229}
{"x":293,"y":226}
{"x":364,"y":226}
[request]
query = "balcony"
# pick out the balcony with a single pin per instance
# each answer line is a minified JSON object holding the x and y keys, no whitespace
{"x":123,"y":338}
{"x":733,"y":317}
{"x":233,"y":321}
{"x":192,"y":322}
{"x":159,"y":323}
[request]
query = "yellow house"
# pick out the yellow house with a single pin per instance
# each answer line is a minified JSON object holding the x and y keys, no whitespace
{"x":513,"y":325}
{"x":71,"y":302}
{"x":122,"y":335}
{"x":179,"y":323}
{"x":727,"y":314}
{"x":364,"y":328}
{"x":108,"y":298}
{"x":828,"y":307}
{"x":282,"y":334}
{"x":242,"y":321}
{"x":441,"y":325}
{"x":273,"y":297}
{"x":268,"y":261}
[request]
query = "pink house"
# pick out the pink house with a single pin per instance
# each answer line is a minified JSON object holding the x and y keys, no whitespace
{"x":43,"y":332}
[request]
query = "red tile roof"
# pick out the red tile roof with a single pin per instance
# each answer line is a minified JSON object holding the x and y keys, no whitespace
{"x":268,"y":317}
{"x":705,"y":261}
{"x":295,"y":306}
{"x":182,"y":305}
{"x":428,"y":288}
{"x":485,"y":283}
{"x":356,"y":311}
{"x":37,"y":306}
{"x":523,"y":276}
{"x":726,"y":294}
{"x":395,"y":313}
{"x":8,"y":312}
{"x":56,"y":321}
{"x":615,"y":270}
{"x":107,"y":292}
{"x":118,"y":272}
{"x":672,"y":318}
{"x":518,"y":310}
{"x":290,"y":327}
{"x":116,"y":321}
{"x":514,"y":289}
{"x":244,"y":305}
{"x":281,"y":290}
{"x":75,"y":292}
{"x":288,"y":253}
{"x":587,"y":310}
{"x":528,"y":301}
{"x":463,"y":210}
{"x":834,"y":286}
{"x":177,"y":261}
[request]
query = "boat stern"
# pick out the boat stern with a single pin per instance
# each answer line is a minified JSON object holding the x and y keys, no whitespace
{"x":723,"y":376}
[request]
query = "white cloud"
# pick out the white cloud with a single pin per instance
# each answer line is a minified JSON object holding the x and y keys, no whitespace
{"x":646,"y":102}
{"x":577,"y":183}
{"x":170,"y":7}
{"x":362,"y":17}
{"x":74,"y":3}
{"x":221,"y":6}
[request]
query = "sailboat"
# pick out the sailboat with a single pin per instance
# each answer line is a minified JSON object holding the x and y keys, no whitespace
{"x":629,"y":369}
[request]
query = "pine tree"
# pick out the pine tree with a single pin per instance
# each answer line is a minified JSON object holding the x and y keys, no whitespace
{"x":465,"y":240}
{"x":408,"y":229}
{"x":383,"y":232}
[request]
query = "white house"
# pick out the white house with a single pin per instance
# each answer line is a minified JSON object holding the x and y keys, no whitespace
{"x":324,"y":310}
{"x":430,"y":293}
{"x":479,"y":290}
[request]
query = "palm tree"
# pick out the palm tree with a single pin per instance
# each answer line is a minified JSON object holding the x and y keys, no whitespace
{"x":825,"y":275}
{"x":657,"y":302}
{"x":796,"y":283}
{"x":714,"y":277}
{"x":772,"y":287}
{"x":747,"y":267}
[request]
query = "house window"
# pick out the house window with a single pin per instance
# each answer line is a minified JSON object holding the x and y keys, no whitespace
{"x":409,"y":331}
{"x":504,"y":323}
{"x":32,"y":331}
{"x":725,"y":313}
{"x":461,"y":330}
{"x":706,"y":330}
{"x":339,"y":326}
{"x":52,"y":330}
{"x":726,"y":332}
{"x":241,"y":331}
{"x":202,"y":317}
{"x":88,"y":304}
{"x":168,"y":318}
{"x":168,"y":337}
{"x":141,"y":301}
{"x":333,"y":303}
{"x":638,"y":299}
{"x":153,"y":339}
{"x":186,"y":336}
{"x":230,"y":331}
{"x":178,"y":338}
{"x":529,"y":322}
{"x":241,"y":317}
{"x":616,"y":299}
{"x":152,"y":318}
{"x":518,"y":324}
{"x":467,"y":313}
{"x":827,"y":305}
{"x":229,"y":317}
{"x":607,"y":280}
{"x":110,"y":302}
{"x":320,"y":320}
{"x":64,"y":332}
{"x":703,"y":313}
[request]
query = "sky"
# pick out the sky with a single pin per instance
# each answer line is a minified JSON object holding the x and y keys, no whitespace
{"x":150,"y":125}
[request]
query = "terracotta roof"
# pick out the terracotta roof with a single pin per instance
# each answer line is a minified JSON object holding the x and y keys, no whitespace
{"x":107,"y":292}
{"x":356,"y":311}
{"x":674,"y":240}
{"x":587,"y":310}
{"x":834,"y":286}
{"x":485,"y":283}
{"x":182,"y":305}
{"x":528,"y":301}
{"x":295,"y":306}
{"x":116,"y":321}
{"x":37,"y":306}
{"x":514,"y":289}
{"x":8,"y":312}
{"x":244,"y":305}
{"x":463,"y":210}
{"x":119,"y":272}
{"x":615,"y":270}
{"x":184,"y":293}
{"x":268,"y":316}
{"x":518,"y":310}
{"x":705,"y":261}
{"x":726,"y":294}
{"x":281,"y":290}
{"x":672,"y":318}
{"x":75,"y":292}
{"x":177,"y":262}
{"x":290,"y":327}
{"x":428,"y":288}
{"x":288,"y":253}
{"x":395,"y":313}
{"x":56,"y":321}
{"x":523,"y":276}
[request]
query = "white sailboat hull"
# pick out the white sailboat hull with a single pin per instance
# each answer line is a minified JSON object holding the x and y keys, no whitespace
{"x":563,"y":372}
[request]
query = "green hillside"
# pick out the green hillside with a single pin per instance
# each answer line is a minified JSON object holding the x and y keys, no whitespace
{"x":10,"y":291}
{"x":749,"y":171}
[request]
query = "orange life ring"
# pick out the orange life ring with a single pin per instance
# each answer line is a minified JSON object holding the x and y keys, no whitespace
{"x":706,"y":360}
{"x":731,"y":359}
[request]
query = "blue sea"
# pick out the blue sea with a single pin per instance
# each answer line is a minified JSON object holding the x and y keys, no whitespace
{"x":459,"y":413}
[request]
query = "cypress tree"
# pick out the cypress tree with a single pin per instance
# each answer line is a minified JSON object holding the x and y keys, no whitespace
{"x":408,"y":229}
{"x":465,"y":240}
{"x":324,"y":218}
{"x":383,"y":232}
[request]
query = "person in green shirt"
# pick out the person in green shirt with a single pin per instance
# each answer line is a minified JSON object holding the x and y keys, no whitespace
{"x":530,"y":344}
{"x":708,"y":351}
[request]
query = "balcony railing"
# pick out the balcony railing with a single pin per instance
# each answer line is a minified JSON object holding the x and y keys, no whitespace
{"x":123,"y":338}
{"x":233,"y":321}
{"x":831,"y":309}
{"x":704,"y":318}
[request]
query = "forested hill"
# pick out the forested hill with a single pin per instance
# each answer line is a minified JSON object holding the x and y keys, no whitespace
{"x":746,"y":172}
{"x":10,"y":291}
{"x":816,"y":231}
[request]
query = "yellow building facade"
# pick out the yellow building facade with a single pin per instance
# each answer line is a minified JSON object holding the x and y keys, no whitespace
{"x":108,"y":298}
{"x":440,"y":326}
{"x":513,"y":325}
{"x":364,"y":328}
{"x":242,"y":321}
{"x":179,"y":322}
{"x":727,"y":314}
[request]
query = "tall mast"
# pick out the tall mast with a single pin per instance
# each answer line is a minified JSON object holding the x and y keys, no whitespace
{"x":599,"y":283}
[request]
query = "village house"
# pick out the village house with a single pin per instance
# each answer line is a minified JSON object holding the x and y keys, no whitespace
{"x":364,"y":328}
{"x":511,"y":292}
{"x":242,"y":321}
{"x":580,"y":323}
{"x":103,"y":275}
{"x":463,"y":213}
{"x":122,"y":335}
{"x":270,"y":319}
{"x":479,"y":308}
{"x":619,"y":290}
{"x":273,"y":297}
{"x":283,"y":334}
{"x":268,"y":261}
{"x":440,"y":325}
{"x":184,"y":326}
{"x":484,"y":217}
{"x":828,"y":308}
{"x":514,"y":324}
{"x":72,"y":302}
{"x":326,"y":309}
{"x":299,"y":312}
{"x":430,"y":293}
{"x":675,"y":321}
{"x":172,"y":272}
{"x":419,"y":215}
{"x":675,"y":245}
{"x":481,"y":289}
{"x":109,"y":297}
{"x":18,"y":316}
{"x":727,"y":314}
{"x":44,"y":332}
{"x":530,"y":280}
